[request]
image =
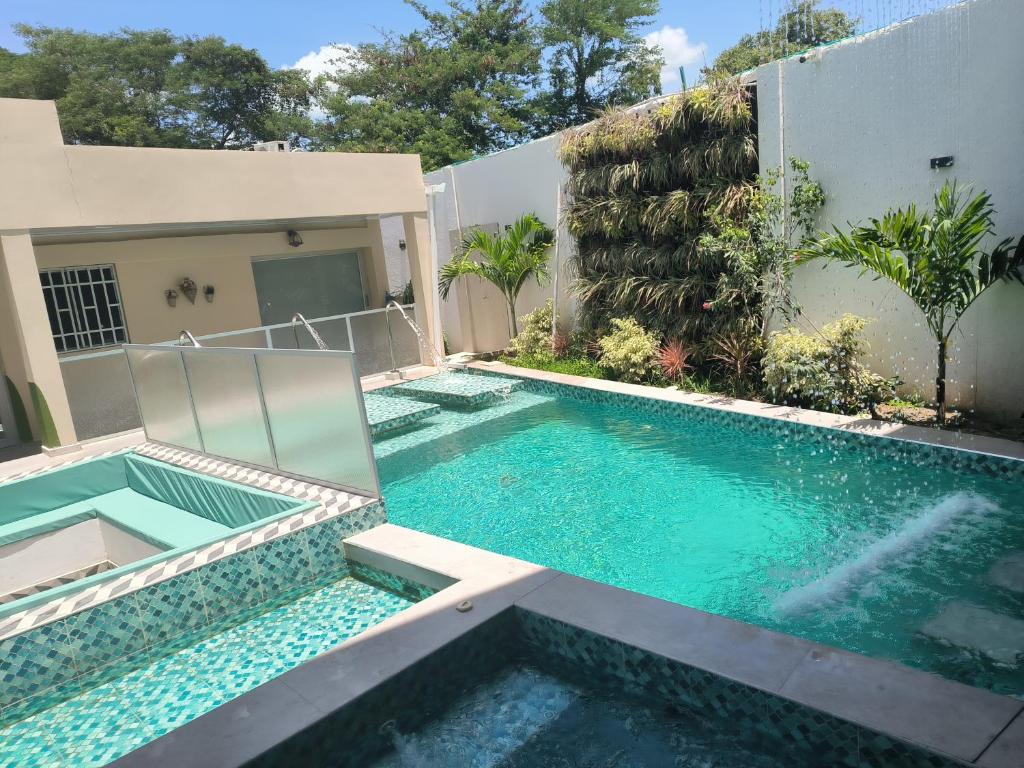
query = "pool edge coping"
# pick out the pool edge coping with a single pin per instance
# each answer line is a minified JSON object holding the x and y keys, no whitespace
{"x":998,"y":447}
{"x":497,"y":583}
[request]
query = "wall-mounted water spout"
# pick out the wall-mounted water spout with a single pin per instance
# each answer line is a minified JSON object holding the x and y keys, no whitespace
{"x":435,"y":355}
{"x":186,"y":337}
{"x":297,"y":318}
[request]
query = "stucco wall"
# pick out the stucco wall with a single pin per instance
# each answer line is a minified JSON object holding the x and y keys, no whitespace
{"x":146,"y":268}
{"x":494,"y":191}
{"x":868,"y":115}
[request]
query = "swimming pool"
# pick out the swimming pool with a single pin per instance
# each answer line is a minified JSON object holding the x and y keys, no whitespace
{"x":894,"y":550}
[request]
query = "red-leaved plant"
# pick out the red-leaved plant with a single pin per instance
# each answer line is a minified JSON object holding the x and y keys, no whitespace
{"x":560,"y":344}
{"x":674,"y":359}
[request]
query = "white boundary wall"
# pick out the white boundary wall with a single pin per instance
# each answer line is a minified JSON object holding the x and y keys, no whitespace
{"x":868,"y":114}
{"x":490,"y":193}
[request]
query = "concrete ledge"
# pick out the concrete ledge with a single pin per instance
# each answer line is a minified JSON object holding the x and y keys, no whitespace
{"x":977,"y":443}
{"x":911,"y":705}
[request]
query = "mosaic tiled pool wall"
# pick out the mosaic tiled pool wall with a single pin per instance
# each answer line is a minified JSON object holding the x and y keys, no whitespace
{"x":806,"y":735}
{"x":353,"y":737}
{"x":897,"y":449}
{"x":360,"y":732}
{"x":49,"y":662}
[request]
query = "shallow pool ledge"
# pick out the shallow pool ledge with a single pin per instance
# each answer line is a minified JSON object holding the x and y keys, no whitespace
{"x":993,"y":446}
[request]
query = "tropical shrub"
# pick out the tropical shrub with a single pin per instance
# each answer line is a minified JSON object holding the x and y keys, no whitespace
{"x":573,"y":366}
{"x":534,"y":340}
{"x":506,"y":260}
{"x":934,"y":258}
{"x":674,"y":360}
{"x":822,"y":371}
{"x":629,"y":351}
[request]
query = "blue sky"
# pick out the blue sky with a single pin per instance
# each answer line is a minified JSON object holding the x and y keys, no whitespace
{"x":286,"y":31}
{"x":290,"y":32}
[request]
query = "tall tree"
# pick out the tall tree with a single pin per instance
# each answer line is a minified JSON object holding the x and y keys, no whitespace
{"x":452,"y":90}
{"x":233,"y":96}
{"x":597,"y":58}
{"x":150,"y":88}
{"x":804,"y":25}
{"x":110,"y":89}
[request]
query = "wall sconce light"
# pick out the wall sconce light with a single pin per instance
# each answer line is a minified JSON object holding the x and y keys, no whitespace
{"x":172,"y":297}
{"x":401,"y":245}
{"x":294,"y":238}
{"x":208,"y":291}
{"x":946,"y":161}
{"x":188,"y":287}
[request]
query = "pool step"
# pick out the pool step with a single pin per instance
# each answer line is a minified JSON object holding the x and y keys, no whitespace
{"x":1008,"y":572}
{"x":995,"y":635}
{"x":463,"y":389}
{"x":386,"y":413}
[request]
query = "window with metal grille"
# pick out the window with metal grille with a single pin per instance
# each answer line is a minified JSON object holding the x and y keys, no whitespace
{"x":84,"y":306}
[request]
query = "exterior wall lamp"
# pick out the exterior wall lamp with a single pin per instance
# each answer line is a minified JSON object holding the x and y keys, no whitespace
{"x":172,"y":297}
{"x":294,"y":238}
{"x":208,"y":291}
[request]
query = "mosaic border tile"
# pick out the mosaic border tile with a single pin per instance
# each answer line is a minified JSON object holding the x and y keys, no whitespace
{"x":895,"y":448}
{"x":386,"y":413}
{"x":455,"y":389}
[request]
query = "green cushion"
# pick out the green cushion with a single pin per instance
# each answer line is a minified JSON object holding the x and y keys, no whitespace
{"x":46,"y":522}
{"x":154,"y":521}
{"x":52,"y":490}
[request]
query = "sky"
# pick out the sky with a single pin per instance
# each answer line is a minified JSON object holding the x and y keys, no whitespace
{"x":302,"y":31}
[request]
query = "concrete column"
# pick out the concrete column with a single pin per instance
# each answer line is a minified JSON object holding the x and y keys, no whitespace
{"x":424,"y":277}
{"x":376,"y":275}
{"x":29,"y":355}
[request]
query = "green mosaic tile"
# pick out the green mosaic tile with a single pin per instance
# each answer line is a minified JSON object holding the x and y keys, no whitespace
{"x":35,"y":661}
{"x":172,"y":607}
{"x":106,"y":633}
{"x":25,"y":745}
{"x":232,"y":584}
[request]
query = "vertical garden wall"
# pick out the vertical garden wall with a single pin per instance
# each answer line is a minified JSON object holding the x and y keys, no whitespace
{"x":644,"y":188}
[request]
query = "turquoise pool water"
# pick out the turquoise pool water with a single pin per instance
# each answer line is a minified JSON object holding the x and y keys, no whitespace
{"x":824,"y":540}
{"x":164,"y":687}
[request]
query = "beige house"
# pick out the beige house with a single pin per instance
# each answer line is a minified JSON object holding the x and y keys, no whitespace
{"x":103,"y":245}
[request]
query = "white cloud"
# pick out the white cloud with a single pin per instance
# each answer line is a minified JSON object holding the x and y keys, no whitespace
{"x":329,"y":58}
{"x":678,"y":51}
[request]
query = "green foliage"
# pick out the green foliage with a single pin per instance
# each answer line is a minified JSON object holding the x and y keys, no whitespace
{"x":756,"y":251}
{"x":596,"y":58}
{"x":534,"y":340}
{"x":449,"y":91}
{"x":935,"y":258}
{"x":628,"y":351}
{"x":506,"y":260}
{"x":572,"y":366}
{"x":150,"y":88}
{"x":644,"y":188}
{"x":802,"y":26}
{"x":822,"y":371}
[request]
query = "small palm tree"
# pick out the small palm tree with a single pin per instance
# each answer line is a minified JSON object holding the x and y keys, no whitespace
{"x":935,"y":258}
{"x":507,"y":260}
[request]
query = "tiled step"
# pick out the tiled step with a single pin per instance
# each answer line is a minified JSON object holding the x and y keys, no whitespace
{"x":995,"y":635}
{"x":1008,"y":572}
{"x":463,"y":389}
{"x":386,"y":413}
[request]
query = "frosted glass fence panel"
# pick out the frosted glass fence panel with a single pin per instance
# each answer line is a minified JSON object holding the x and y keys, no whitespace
{"x":250,"y":339}
{"x":316,"y":415}
{"x":163,"y":396}
{"x":100,"y":395}
{"x":226,"y":396}
{"x":333,"y":331}
{"x":370,"y":334}
{"x":298,"y":412}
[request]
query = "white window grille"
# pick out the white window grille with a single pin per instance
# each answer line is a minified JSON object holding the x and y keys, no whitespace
{"x":84,"y":306}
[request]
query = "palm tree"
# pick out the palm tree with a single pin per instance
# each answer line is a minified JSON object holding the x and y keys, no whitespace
{"x":506,"y":260}
{"x":935,"y":258}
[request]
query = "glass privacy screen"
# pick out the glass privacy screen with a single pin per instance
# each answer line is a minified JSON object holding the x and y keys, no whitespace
{"x":299,"y":412}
